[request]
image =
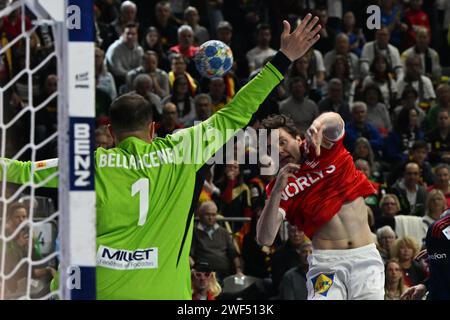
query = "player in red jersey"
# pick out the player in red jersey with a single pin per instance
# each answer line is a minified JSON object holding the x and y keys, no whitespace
{"x":319,"y":190}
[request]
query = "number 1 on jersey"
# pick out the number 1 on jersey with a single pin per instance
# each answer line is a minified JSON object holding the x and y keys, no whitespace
{"x":142,"y":187}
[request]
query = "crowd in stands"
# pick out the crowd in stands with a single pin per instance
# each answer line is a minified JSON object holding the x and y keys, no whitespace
{"x":390,"y":85}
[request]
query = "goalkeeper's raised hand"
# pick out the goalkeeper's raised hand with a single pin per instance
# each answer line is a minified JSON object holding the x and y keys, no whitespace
{"x":294,"y":45}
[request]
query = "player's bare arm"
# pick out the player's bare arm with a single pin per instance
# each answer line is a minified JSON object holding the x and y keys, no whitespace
{"x":271,"y":217}
{"x":326,"y":128}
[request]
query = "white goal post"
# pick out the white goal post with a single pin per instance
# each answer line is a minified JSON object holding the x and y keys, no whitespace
{"x":72,"y":27}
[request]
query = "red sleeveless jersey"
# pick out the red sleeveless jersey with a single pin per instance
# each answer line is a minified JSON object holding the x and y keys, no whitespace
{"x":322,"y":186}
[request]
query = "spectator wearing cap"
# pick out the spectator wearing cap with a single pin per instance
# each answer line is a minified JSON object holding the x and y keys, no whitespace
{"x":204,"y":282}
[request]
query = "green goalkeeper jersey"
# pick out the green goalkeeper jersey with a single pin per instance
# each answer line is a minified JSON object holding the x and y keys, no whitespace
{"x":146,"y":193}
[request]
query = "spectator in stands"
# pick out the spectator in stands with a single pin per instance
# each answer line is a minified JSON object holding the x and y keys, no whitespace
{"x":382,"y":75}
{"x":203,"y":108}
{"x":405,"y":250}
{"x":257,"y":259}
{"x":327,"y":33}
{"x":217,"y":92}
{"x":17,"y":249}
{"x":213,"y":244}
{"x":394,"y":286}
{"x":298,"y":106}
{"x":311,"y":67}
{"x":47,"y":117}
{"x":405,"y":133}
{"x":257,"y":55}
{"x":415,"y":18}
{"x":152,"y":42}
{"x":235,"y":194}
{"x":17,"y":214}
{"x":364,"y":166}
{"x":355,"y":35}
{"x":439,"y":139}
{"x":389,"y":208}
{"x":124,"y":54}
{"x":411,"y":194}
{"x":169,"y":120}
{"x":391,"y":14}
{"x":11,"y":24}
{"x":335,"y":100}
{"x":166,"y":24}
{"x":103,"y":138}
{"x":409,"y":99}
{"x":429,"y":57}
{"x":381,"y":46}
{"x":127,"y":15}
{"x":149,"y":66}
{"x":442,"y":103}
{"x":413,"y":77}
{"x":204,"y":282}
{"x":143,"y":85}
{"x":386,"y":240}
{"x":192,"y":18}
{"x":105,"y":80}
{"x":418,"y":153}
{"x":363,"y":150}
{"x":178,"y":66}
{"x":377,"y":112}
{"x":185,"y":45}
{"x":358,"y":126}
{"x":293,"y":283}
{"x":436,"y":204}
{"x":342,"y":48}
{"x":340,"y":69}
{"x":442,"y":181}
{"x":287,"y":256}
{"x":224,"y":32}
{"x":182,"y":98}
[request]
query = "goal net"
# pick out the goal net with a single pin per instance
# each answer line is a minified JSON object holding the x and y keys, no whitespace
{"x":47,"y":87}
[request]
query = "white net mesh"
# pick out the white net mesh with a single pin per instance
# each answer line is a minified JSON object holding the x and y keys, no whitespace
{"x":28,"y":131}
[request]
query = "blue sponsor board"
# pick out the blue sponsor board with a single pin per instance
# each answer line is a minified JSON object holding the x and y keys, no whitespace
{"x":81,"y":153}
{"x":80,"y":20}
{"x":85,"y":288}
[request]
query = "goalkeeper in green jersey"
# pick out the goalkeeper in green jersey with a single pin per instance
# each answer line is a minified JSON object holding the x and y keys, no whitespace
{"x":146,"y":188}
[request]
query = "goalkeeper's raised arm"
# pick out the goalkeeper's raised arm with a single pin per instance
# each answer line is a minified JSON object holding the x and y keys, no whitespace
{"x":239,"y":111}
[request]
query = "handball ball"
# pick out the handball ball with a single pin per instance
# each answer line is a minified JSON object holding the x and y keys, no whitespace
{"x":213,"y":59}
